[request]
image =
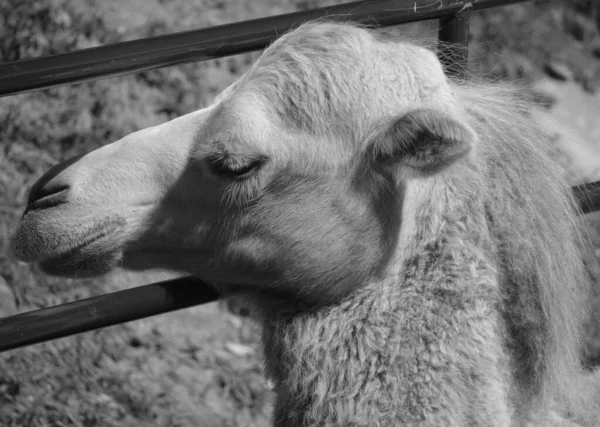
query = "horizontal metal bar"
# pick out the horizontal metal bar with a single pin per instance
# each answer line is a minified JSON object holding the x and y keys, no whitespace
{"x":88,"y":314}
{"x":144,"y":301}
{"x":214,"y":42}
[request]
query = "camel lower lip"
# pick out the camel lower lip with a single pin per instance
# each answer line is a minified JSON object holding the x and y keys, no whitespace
{"x":77,"y":262}
{"x":72,"y":251}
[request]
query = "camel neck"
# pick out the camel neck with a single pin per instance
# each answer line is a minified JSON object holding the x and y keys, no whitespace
{"x":399,"y":350}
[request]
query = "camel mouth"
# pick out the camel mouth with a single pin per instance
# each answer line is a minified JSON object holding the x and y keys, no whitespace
{"x":93,"y":256}
{"x":86,"y":245}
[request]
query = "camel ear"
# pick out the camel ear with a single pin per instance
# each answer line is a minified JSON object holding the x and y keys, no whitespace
{"x":425,"y":140}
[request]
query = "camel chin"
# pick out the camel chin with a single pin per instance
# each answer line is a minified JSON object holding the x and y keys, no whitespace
{"x":79,"y":264}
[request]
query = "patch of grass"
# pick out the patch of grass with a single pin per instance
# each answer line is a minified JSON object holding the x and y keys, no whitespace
{"x":127,"y":375}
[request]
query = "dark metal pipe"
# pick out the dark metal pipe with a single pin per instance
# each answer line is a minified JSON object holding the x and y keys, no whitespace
{"x":453,"y":42}
{"x":214,"y":42}
{"x":588,"y":196}
{"x":92,"y":313}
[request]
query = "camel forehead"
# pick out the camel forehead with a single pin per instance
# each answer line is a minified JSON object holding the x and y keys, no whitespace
{"x":243,"y":123}
{"x":238,"y":125}
{"x":327,"y":76}
{"x":325,"y":80}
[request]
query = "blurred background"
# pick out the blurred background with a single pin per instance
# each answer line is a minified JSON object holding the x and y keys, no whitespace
{"x":202,"y":366}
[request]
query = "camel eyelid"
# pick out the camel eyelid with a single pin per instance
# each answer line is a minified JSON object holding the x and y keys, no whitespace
{"x":235,"y":167}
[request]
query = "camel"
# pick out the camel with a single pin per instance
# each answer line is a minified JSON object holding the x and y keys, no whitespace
{"x":407,"y":242}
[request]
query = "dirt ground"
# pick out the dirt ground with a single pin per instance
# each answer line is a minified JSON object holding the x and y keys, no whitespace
{"x":202,"y":366}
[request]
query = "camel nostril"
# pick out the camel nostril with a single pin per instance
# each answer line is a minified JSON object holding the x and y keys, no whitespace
{"x":47,"y":196}
{"x":51,"y":189}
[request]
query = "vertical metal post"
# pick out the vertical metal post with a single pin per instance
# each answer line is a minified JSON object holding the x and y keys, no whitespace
{"x":453,"y":42}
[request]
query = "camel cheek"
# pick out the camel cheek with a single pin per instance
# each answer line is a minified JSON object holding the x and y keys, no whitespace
{"x":329,"y":241}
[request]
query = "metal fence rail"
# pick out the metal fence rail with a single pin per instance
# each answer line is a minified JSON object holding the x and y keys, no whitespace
{"x":225,"y":40}
{"x":215,"y":42}
{"x":105,"y":310}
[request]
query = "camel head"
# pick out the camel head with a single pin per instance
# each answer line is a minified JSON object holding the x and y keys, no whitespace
{"x":291,"y":184}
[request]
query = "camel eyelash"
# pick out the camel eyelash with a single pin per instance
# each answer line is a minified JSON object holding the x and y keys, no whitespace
{"x":225,"y":165}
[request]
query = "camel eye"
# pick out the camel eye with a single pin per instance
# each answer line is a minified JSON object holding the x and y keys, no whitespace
{"x":234,"y":166}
